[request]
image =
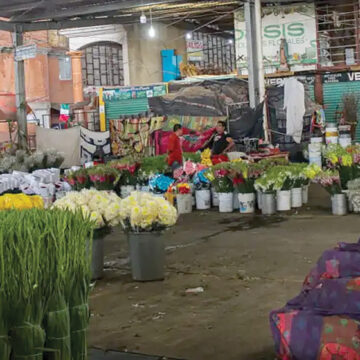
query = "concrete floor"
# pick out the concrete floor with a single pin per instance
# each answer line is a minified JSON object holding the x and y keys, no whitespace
{"x":247,"y":266}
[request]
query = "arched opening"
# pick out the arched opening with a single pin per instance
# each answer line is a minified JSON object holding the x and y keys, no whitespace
{"x":102,"y":64}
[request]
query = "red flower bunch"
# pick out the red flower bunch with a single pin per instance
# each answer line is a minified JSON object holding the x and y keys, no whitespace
{"x":183,"y":189}
{"x":238,"y":181}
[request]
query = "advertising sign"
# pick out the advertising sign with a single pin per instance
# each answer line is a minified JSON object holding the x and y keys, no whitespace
{"x":136,"y":92}
{"x":294,"y":23}
{"x":341,"y":77}
{"x":195,"y":50}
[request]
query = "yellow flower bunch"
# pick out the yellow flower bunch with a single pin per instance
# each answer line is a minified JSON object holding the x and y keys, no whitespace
{"x":333,"y":158}
{"x":20,"y":202}
{"x":347,"y":160}
{"x":206,"y":157}
{"x":146,"y":212}
{"x":312,"y":171}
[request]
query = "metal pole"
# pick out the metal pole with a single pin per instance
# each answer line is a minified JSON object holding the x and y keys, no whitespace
{"x":19,"y":66}
{"x":259,"y":50}
{"x":260,"y":66}
{"x":251,"y":53}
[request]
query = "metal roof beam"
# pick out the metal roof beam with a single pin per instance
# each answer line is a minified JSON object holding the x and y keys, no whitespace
{"x":95,"y":9}
{"x":68,"y":24}
{"x":6,"y":26}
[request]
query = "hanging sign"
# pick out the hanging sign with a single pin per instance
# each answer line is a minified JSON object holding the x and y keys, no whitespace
{"x":136,"y":92}
{"x":195,"y":50}
{"x":341,"y":77}
{"x":24,"y":52}
{"x":294,"y":23}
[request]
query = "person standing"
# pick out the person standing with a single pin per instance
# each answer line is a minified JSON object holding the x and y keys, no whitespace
{"x":221,"y":142}
{"x":174,"y":158}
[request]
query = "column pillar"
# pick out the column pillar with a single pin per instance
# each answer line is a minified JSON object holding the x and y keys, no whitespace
{"x":77,"y":75}
{"x":18,"y":40}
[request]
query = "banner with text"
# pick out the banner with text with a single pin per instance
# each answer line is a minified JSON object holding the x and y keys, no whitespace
{"x":294,"y":23}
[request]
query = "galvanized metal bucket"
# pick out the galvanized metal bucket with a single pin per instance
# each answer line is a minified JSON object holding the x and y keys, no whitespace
{"x":268,"y":204}
{"x":97,"y":255}
{"x":339,"y":204}
{"x":97,"y":261}
{"x":147,"y":256}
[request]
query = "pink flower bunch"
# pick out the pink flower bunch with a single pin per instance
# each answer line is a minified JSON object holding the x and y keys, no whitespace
{"x":356,"y":158}
{"x":221,"y":173}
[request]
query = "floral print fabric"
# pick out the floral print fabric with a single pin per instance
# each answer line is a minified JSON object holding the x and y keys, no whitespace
{"x":323,"y":321}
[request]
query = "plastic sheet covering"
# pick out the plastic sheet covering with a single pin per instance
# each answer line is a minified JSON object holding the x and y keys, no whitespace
{"x":65,"y":141}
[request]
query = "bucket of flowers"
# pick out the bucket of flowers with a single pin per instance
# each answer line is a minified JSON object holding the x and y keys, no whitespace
{"x":283,"y":186}
{"x":243,"y":177}
{"x":202,"y":190}
{"x":78,"y":179}
{"x":346,"y":161}
{"x":219,"y":175}
{"x":104,"y":210}
{"x":310,"y":172}
{"x":331,"y":182}
{"x":299,"y":180}
{"x":184,"y":201}
{"x":266,"y":184}
{"x":144,"y":218}
{"x":102,"y":177}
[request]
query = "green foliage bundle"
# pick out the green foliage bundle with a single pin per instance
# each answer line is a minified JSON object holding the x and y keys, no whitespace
{"x":44,"y":284}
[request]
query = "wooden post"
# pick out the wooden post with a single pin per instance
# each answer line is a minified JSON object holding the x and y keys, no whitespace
{"x":18,"y":40}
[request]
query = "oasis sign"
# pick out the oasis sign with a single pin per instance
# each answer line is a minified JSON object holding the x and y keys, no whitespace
{"x":296,"y":24}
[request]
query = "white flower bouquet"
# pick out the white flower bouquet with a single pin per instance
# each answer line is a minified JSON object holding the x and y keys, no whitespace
{"x":143,"y":212}
{"x":104,"y":208}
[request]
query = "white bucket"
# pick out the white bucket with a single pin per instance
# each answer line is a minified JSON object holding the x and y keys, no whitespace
{"x":126,"y":190}
{"x":345,"y":141}
{"x":247,"y":203}
{"x":283,"y":200}
{"x":226,"y":202}
{"x":316,"y":140}
{"x":305,"y":194}
{"x":315,"y":158}
{"x":332,"y":135}
{"x":184,"y":203}
{"x":236,"y":201}
{"x":296,"y":197}
{"x":203,"y":199}
{"x":215,"y":198}
{"x":259,"y":195}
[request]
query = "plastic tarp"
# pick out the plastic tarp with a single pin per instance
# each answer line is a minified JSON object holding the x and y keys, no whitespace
{"x":206,"y":98}
{"x":246,"y":122}
{"x":66,"y":142}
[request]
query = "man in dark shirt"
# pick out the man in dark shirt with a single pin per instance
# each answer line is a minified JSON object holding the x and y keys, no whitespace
{"x":221,"y":142}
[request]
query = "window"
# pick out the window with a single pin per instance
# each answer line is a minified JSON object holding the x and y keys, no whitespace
{"x":338,"y":33}
{"x":65,"y":72}
{"x":102,"y":64}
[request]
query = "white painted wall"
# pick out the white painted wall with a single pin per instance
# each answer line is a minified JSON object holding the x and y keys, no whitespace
{"x":80,"y":37}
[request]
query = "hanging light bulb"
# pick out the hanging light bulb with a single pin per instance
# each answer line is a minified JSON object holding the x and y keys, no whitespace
{"x":143,"y":18}
{"x":152,"y":32}
{"x":189,"y":36}
{"x":230,"y":41}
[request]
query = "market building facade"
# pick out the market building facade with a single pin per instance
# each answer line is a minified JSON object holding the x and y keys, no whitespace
{"x":317,"y":40}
